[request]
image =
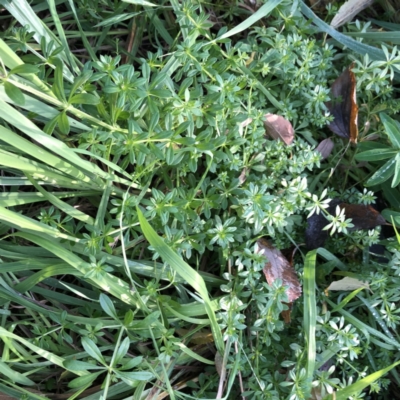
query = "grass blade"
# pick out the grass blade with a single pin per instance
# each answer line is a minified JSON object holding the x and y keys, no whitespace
{"x":360,"y":48}
{"x":260,"y":13}
{"x":360,"y":385}
{"x":192,"y":277}
{"x":310,"y":311}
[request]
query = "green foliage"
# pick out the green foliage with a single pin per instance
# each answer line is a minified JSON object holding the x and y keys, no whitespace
{"x":137,"y":179}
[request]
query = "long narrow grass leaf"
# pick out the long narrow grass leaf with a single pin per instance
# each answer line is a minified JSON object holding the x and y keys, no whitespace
{"x":260,"y":13}
{"x":344,"y":394}
{"x":191,"y":276}
{"x":360,"y":48}
{"x":310,"y":311}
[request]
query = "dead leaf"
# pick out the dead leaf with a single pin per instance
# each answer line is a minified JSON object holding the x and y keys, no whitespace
{"x":315,"y":235}
{"x":348,"y":283}
{"x":343,"y":106}
{"x":219,"y":362}
{"x":325,"y":148}
{"x":286,"y":314}
{"x":278,"y":127}
{"x":243,"y":176}
{"x":316,"y":393}
{"x":362,"y":217}
{"x":278,"y":267}
{"x":349,"y":10}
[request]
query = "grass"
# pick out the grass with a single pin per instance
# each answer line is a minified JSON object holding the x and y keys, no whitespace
{"x":137,"y":178}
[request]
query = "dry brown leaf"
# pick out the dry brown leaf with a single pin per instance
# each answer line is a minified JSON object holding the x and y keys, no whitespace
{"x":325,"y":148}
{"x":219,"y":362}
{"x":278,"y":267}
{"x":316,"y":394}
{"x":348,"y":283}
{"x":349,"y":10}
{"x":286,"y":314}
{"x":343,"y":106}
{"x":362,"y":217}
{"x":243,"y":176}
{"x":278,"y":127}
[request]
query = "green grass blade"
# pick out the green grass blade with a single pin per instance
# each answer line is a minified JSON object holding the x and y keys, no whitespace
{"x":39,"y":153}
{"x":23,"y":223}
{"x":24,"y":14}
{"x":310,"y":311}
{"x":194,"y":355}
{"x":61,"y":34}
{"x":11,"y":60}
{"x":105,"y":281}
{"x":366,"y":329}
{"x":41,"y":352}
{"x":19,"y":393}
{"x":86,"y":43}
{"x":22,"y":123}
{"x":15,"y":376}
{"x":192,"y":277}
{"x":360,"y":48}
{"x":260,"y":13}
{"x":383,"y":173}
{"x":360,"y":385}
{"x":43,"y":112}
{"x":381,"y":37}
{"x":10,"y":199}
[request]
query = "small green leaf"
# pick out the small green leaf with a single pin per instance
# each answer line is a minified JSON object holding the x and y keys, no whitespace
{"x":392,"y":128}
{"x":51,"y":125}
{"x":169,"y":155}
{"x":58,"y":85}
{"x":84,"y":98}
{"x":131,"y":377}
{"x":80,"y":81}
{"x":63,"y":123}
{"x":75,"y":365}
{"x":132,"y":363}
{"x":24,"y":69}
{"x":108,"y":306}
{"x":83,"y":380}
{"x":122,"y":350}
{"x":92,"y":350}
{"x":383,"y":173}
{"x":128,"y":318}
{"x":391,"y":215}
{"x":14,"y":93}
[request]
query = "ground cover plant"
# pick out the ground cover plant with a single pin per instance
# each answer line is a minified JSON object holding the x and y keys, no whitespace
{"x":147,"y":200}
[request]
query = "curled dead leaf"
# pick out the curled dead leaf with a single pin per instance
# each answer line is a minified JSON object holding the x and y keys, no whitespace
{"x":219,"y":362}
{"x":348,"y":283}
{"x":278,"y":267}
{"x":325,"y":148}
{"x":348,"y":11}
{"x":278,"y":127}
